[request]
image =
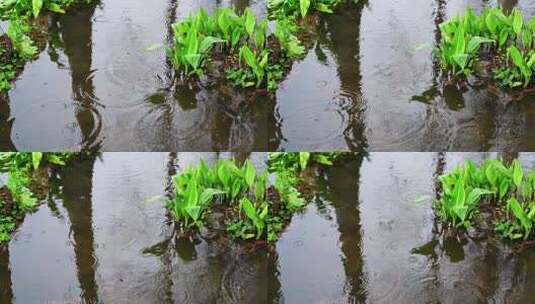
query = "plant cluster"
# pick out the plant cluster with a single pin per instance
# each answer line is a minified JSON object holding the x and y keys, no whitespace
{"x":240,"y":39}
{"x":239,"y":191}
{"x":507,"y":190}
{"x":252,"y":205}
{"x":16,"y":198}
{"x":253,"y":55}
{"x":199,"y":188}
{"x":505,"y":40}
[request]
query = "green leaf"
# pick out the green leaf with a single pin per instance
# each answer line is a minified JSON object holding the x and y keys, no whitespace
{"x":461,"y":60}
{"x":474,"y":197}
{"x":207,"y":43}
{"x":304,"y":6}
{"x":504,"y":35}
{"x":250,"y":22}
{"x":208,"y":194}
{"x":459,"y":194}
{"x":36,"y":7}
{"x":518,"y":21}
{"x":53,"y":7}
{"x":516,"y":56}
{"x":194,"y":212}
{"x":194,"y":60}
{"x":504,"y":189}
{"x":518,"y":212}
{"x":236,"y":188}
{"x":460,"y":42}
{"x":303,"y":159}
{"x":322,"y":159}
{"x":320,"y":7}
{"x":192,"y":193}
{"x":518,"y":173}
{"x":475,"y":43}
{"x":250,"y":173}
{"x":249,"y":209}
{"x":236,"y":35}
{"x":36,"y":159}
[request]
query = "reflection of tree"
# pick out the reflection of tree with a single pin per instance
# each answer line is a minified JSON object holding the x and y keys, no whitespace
{"x":77,"y":187}
{"x":73,"y":33}
{"x":240,"y":5}
{"x":340,"y":28}
{"x":6,"y":288}
{"x":344,"y":184}
{"x":340,"y":187}
{"x":508,"y":5}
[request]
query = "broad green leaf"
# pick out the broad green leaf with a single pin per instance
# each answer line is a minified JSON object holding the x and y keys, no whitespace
{"x":475,"y":43}
{"x":461,"y":60}
{"x":518,"y":21}
{"x":236,"y":188}
{"x":460,"y":42}
{"x":322,"y":159}
{"x":207,"y":43}
{"x":518,"y":173}
{"x":459,"y":194}
{"x":36,"y":7}
{"x":36,"y":159}
{"x":54,"y":159}
{"x":194,"y":212}
{"x":53,"y":7}
{"x":474,"y":197}
{"x":504,"y":188}
{"x":504,"y":35}
{"x":249,"y":209}
{"x":516,"y":56}
{"x":192,"y":193}
{"x":250,"y":22}
{"x":320,"y":7}
{"x":250,"y":173}
{"x":303,"y":159}
{"x":194,"y":60}
{"x":304,"y":6}
{"x":208,"y":194}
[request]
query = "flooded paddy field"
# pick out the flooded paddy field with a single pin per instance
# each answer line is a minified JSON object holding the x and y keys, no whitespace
{"x":365,"y":84}
{"x":362,"y":238}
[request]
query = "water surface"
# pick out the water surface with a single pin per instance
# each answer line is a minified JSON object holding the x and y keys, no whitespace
{"x":362,"y":85}
{"x":362,"y":239}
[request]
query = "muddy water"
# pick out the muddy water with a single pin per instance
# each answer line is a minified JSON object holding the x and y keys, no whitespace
{"x":362,"y":239}
{"x":363,"y":85}
{"x":100,"y":240}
